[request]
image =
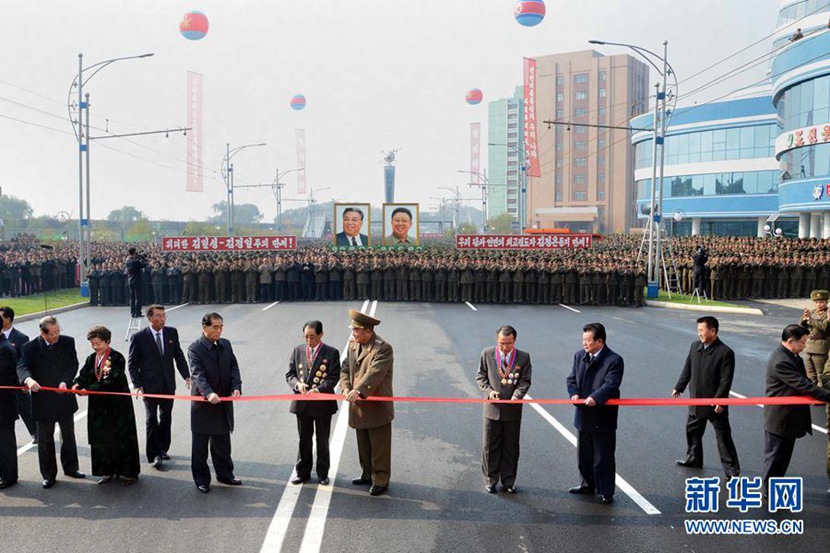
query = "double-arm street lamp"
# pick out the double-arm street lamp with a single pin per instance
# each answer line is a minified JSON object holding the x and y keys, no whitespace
{"x":484,"y":185}
{"x":227,"y":176}
{"x":660,"y":123}
{"x":80,"y":126}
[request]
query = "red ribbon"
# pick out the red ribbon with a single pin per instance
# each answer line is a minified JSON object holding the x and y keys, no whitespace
{"x":640,"y":402}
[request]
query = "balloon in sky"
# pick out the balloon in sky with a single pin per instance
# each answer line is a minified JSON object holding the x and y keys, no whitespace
{"x":529,"y":13}
{"x":474,"y":97}
{"x":297,"y":102}
{"x":194,"y":25}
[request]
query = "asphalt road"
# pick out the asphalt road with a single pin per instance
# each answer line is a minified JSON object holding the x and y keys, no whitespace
{"x":436,"y":500}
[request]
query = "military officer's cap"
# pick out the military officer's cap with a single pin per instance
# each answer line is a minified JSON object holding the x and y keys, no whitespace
{"x":816,"y":295}
{"x":362,"y":320}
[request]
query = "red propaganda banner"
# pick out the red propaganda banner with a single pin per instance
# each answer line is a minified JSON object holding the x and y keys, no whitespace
{"x":228,"y":243}
{"x":194,"y":138}
{"x":530,"y":136}
{"x":523,"y":241}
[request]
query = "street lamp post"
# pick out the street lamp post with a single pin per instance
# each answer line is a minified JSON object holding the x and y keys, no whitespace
{"x":277,"y":188}
{"x":227,"y":175}
{"x":84,"y":219}
{"x":483,"y":185}
{"x":660,"y":124}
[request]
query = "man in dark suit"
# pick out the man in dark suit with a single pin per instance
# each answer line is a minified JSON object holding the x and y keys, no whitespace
{"x":503,"y":373}
{"x":708,"y":372}
{"x":783,"y":424}
{"x":314,"y":368}
{"x":17,"y":340}
{"x":367,"y":371}
{"x":214,"y":373}
{"x":51,"y":360}
{"x":153,"y":351}
{"x":8,"y":414}
{"x":352,"y":221}
{"x":135,"y":268}
{"x":595,"y":378}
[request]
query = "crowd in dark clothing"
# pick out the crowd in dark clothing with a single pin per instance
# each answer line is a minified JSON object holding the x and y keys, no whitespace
{"x":611,"y":272}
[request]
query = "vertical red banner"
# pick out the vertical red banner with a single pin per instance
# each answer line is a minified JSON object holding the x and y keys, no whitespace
{"x":475,"y":152}
{"x":195,"y":181}
{"x":300,"y":135}
{"x":530,"y":136}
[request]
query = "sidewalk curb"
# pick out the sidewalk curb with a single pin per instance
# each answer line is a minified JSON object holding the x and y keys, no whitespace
{"x":703,"y":307}
{"x":57,"y":310}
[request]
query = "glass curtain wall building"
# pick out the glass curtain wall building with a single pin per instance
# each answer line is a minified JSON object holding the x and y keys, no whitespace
{"x":800,"y":75}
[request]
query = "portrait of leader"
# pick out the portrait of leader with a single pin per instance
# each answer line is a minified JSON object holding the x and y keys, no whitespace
{"x":352,"y":219}
{"x":400,"y":225}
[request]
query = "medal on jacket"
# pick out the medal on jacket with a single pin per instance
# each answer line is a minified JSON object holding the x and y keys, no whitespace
{"x":102,"y":365}
{"x":505,"y":366}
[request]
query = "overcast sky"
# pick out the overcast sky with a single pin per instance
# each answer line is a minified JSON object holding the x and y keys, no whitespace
{"x":377,"y":75}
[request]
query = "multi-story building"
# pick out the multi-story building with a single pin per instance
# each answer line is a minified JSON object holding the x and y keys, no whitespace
{"x":505,"y":155}
{"x":587,"y":169}
{"x":720,"y":174}
{"x":800,"y":75}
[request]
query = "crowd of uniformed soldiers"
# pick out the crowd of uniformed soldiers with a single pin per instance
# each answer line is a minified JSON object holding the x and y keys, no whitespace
{"x":27,"y":268}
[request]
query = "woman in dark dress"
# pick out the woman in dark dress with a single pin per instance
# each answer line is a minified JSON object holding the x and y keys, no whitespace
{"x":111,"y":421}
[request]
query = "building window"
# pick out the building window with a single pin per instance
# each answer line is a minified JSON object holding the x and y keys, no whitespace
{"x":580,"y":196}
{"x":601,"y":178}
{"x":601,"y":143}
{"x":513,"y":115}
{"x":560,"y":97}
{"x":581,"y":78}
{"x":580,"y":145}
{"x":558,"y":180}
{"x":512,"y":125}
{"x":581,"y":162}
{"x":579,"y":129}
{"x":560,"y":147}
{"x":560,"y":129}
{"x":600,"y":195}
{"x":560,"y":114}
{"x":601,"y":160}
{"x":580,"y":95}
{"x":512,"y":135}
{"x":602,"y":75}
{"x":580,"y":112}
{"x":557,"y":197}
{"x":601,"y":110}
{"x":580,"y":179}
{"x":559,"y":163}
{"x":602,"y":93}
{"x":560,"y":80}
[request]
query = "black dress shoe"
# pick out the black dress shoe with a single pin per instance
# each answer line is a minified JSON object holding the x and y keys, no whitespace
{"x":510,"y":489}
{"x":689,"y":463}
{"x":607,"y":499}
{"x":299,"y":480}
{"x":164,"y":456}
{"x":48,"y":483}
{"x":582,"y":490}
{"x":128,"y":480}
{"x":490,"y":489}
{"x":377,"y":490}
{"x":325,"y":481}
{"x":203,"y":489}
{"x":76,"y":474}
{"x":234,"y":481}
{"x":7,"y":483}
{"x":104,"y":480}
{"x":157,"y":462}
{"x":361,"y":481}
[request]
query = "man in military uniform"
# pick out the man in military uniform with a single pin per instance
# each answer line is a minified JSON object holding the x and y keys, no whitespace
{"x":220,"y":281}
{"x":818,"y":343}
{"x":367,"y":371}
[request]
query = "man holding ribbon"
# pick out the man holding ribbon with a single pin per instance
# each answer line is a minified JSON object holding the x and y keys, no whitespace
{"x":503,"y":374}
{"x":314,"y":367}
{"x":595,"y":378}
{"x":367,"y":371}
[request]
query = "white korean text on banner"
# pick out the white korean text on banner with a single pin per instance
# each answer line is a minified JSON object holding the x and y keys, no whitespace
{"x":530,"y":136}
{"x":227,"y":243}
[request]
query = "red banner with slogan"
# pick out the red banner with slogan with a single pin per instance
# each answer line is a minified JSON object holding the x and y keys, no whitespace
{"x":522,"y":241}
{"x":530,"y":136}
{"x":228,"y":243}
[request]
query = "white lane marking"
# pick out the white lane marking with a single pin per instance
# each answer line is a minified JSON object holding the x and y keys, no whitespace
{"x":174,"y":308}
{"x":275,"y":536}
{"x":313,"y":536}
{"x":23,"y":449}
{"x":471,"y":306}
{"x":622,"y":484}
{"x":569,"y":308}
{"x":736,"y":394}
{"x":266,"y":308}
